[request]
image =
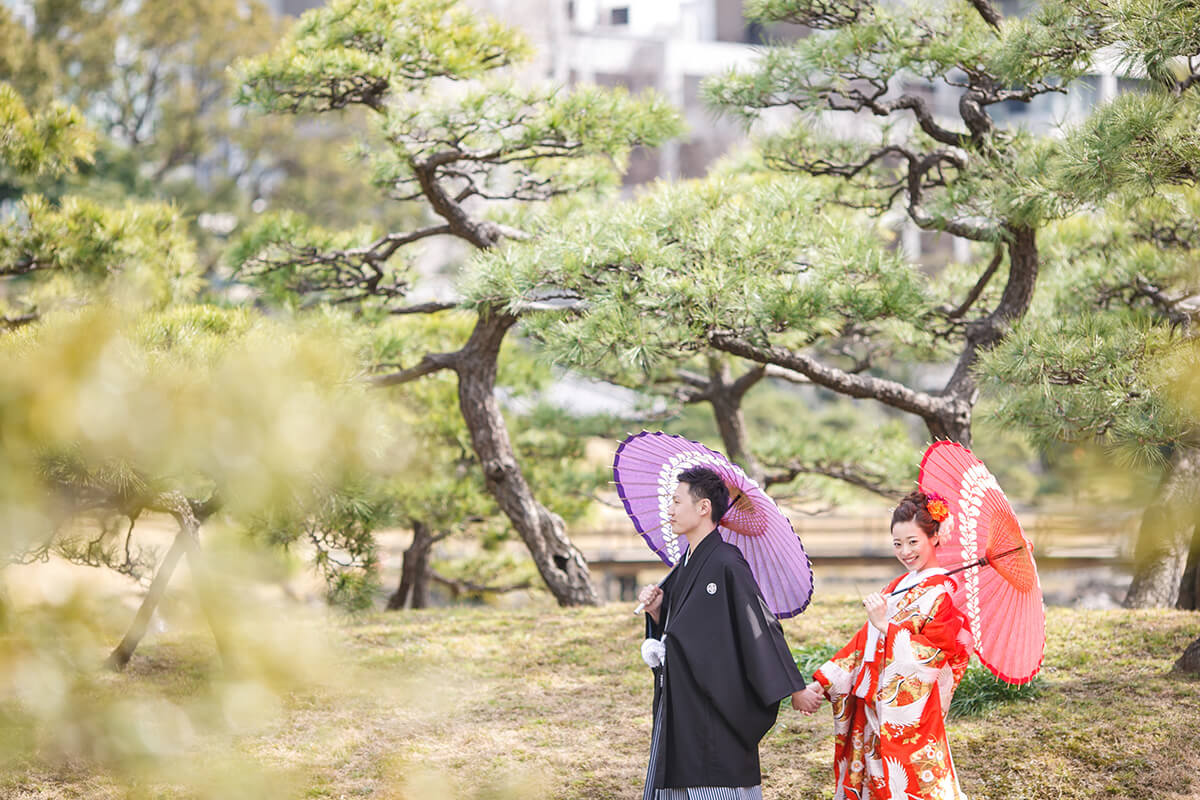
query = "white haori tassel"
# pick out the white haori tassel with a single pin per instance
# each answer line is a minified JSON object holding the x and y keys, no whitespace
{"x":654,"y":653}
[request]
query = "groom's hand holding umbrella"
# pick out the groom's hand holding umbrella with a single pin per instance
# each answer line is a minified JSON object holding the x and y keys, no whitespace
{"x":650,"y":600}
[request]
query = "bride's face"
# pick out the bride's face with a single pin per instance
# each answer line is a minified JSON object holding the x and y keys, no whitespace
{"x":914,"y":549}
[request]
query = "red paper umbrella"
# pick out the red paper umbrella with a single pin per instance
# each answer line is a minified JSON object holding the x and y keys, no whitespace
{"x":999,"y":589}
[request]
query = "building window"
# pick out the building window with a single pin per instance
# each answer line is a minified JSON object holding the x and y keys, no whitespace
{"x":619,"y":16}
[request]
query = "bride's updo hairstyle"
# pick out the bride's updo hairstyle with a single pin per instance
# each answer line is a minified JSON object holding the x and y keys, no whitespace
{"x":915,"y":507}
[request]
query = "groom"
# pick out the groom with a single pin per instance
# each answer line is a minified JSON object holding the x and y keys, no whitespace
{"x":721,"y":664}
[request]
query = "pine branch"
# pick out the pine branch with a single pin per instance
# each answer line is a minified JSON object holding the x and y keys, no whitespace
{"x":1175,"y":309}
{"x":979,"y":229}
{"x":885,"y":391}
{"x":1182,"y":235}
{"x":985,"y":333}
{"x":596,"y":498}
{"x":431,"y":363}
{"x":980,"y":285}
{"x":924,"y":115}
{"x":333,"y":94}
{"x":822,"y":166}
{"x":22,"y":266}
{"x":1186,"y":83}
{"x":923,"y":172}
{"x":828,"y":15}
{"x":482,"y":235}
{"x":989,"y":13}
{"x":352,"y":274}
{"x":707,"y":389}
{"x":432,"y":307}
{"x":775,"y":371}
{"x":458,"y":586}
{"x":693,"y":379}
{"x":748,"y":380}
{"x":848,"y":473}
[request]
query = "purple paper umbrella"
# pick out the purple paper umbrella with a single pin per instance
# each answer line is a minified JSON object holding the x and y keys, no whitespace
{"x":646,"y":469}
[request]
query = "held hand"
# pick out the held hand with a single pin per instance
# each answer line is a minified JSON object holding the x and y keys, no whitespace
{"x":877,"y":610}
{"x":806,"y":701}
{"x":651,"y":598}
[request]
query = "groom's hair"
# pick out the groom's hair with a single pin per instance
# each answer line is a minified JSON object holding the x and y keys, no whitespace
{"x":704,"y":483}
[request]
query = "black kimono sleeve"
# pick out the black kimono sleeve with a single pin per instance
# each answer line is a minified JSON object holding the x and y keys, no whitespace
{"x":743,"y":666}
{"x":654,"y":630}
{"x":768,"y":672}
{"x":767,"y":662}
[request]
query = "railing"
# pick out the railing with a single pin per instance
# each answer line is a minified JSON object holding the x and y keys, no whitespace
{"x":1073,"y":552}
{"x":1058,"y":539}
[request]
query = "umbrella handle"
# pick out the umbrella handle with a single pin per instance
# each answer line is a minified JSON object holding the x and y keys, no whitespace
{"x":979,"y":562}
{"x":642,"y":606}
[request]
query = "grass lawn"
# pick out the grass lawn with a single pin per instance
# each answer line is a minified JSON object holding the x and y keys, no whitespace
{"x":552,"y":703}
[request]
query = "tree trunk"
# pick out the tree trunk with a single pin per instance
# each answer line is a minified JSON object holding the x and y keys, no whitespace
{"x":119,"y":657}
{"x":1165,"y":537}
{"x":187,"y":542}
{"x":954,"y":420}
{"x":1189,"y":586}
{"x":725,"y":396}
{"x":731,"y":423}
{"x":413,"y":591}
{"x":213,"y":604}
{"x":560,"y":564}
{"x":1190,"y":660}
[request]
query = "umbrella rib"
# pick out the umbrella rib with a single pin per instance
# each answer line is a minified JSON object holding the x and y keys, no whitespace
{"x":769,"y":573}
{"x":753,"y":559}
{"x":1010,"y":615}
{"x":778,"y":581}
{"x":790,"y":557}
{"x":657,"y":527}
{"x":998,"y":652}
{"x":772,"y":568}
{"x":797,"y":557}
{"x":635,"y":483}
{"x":638,"y":459}
{"x":1034,"y":617}
{"x":803,"y":568}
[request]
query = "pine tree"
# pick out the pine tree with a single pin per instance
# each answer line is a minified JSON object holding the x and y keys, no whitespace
{"x":122,"y":395}
{"x":839,"y":310}
{"x":1109,"y":358}
{"x":457,"y":136}
{"x":641,"y":284}
{"x":806,"y":307}
{"x":151,"y":78}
